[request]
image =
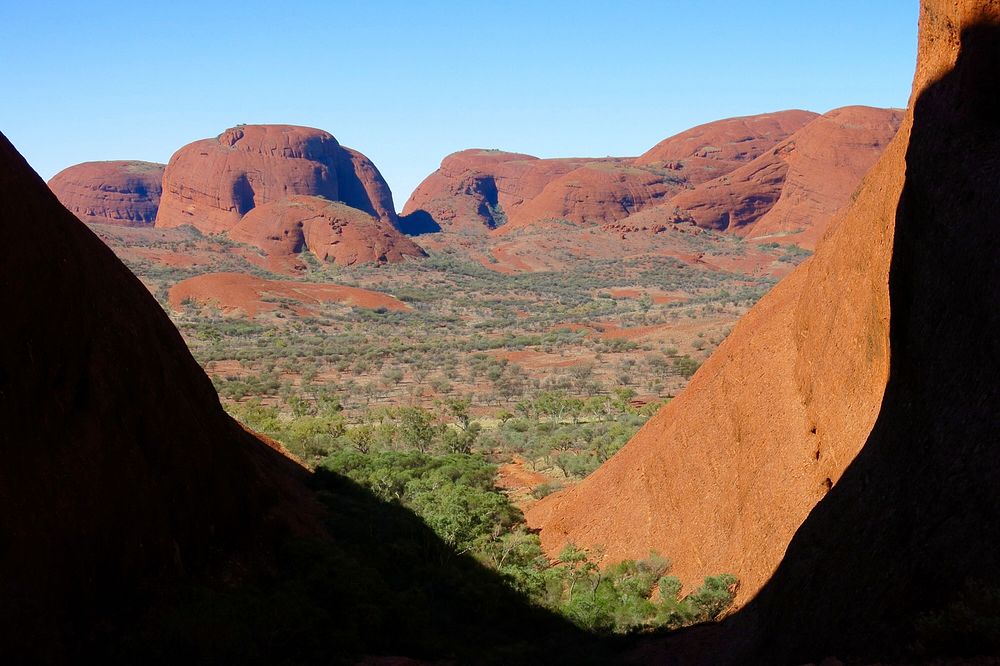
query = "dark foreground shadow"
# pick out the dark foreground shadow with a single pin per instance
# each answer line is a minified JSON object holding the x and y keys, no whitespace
{"x":140,"y":524}
{"x":383,"y":584}
{"x":902,"y":558}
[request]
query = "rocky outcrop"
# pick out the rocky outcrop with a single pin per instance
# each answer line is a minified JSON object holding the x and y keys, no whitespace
{"x":121,"y":473}
{"x":212,"y":183}
{"x":904,"y":569}
{"x":599,"y":192}
{"x":737,"y":140}
{"x":791,"y":192}
{"x":363,"y":187}
{"x":123,"y":192}
{"x":723,"y":476}
{"x":330,"y":230}
{"x":475,"y":191}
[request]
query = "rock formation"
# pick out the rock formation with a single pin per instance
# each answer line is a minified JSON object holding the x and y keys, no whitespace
{"x":330,"y":230}
{"x":598,"y":192}
{"x":723,"y":476}
{"x":121,"y":471}
{"x":125,"y":192}
{"x":212,"y":183}
{"x":738,"y":140}
{"x":904,"y":567}
{"x":791,"y":192}
{"x":475,"y":191}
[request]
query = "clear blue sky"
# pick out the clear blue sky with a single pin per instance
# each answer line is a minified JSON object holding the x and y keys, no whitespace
{"x":409,"y":82}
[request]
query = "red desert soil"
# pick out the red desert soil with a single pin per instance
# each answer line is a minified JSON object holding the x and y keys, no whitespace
{"x":212,"y":183}
{"x":330,"y":230}
{"x":239,"y":291}
{"x":792,"y":191}
{"x":536,"y":359}
{"x":127,"y":474}
{"x":122,"y":192}
{"x":169,"y":257}
{"x":477,"y":190}
{"x":519,"y":481}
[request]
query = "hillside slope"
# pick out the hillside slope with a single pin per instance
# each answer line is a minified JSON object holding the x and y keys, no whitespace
{"x":212,"y":183}
{"x":724,"y":475}
{"x":121,"y":470}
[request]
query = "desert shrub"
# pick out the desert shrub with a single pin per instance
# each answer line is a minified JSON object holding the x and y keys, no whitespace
{"x":685,"y":366}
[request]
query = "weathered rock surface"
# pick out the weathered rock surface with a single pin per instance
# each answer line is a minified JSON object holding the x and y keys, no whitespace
{"x":884,"y":569}
{"x":363,"y":187}
{"x":739,"y":139}
{"x":121,"y":471}
{"x":332,"y":231}
{"x":723,"y":477}
{"x":791,"y":192}
{"x":599,"y":192}
{"x":475,"y":191}
{"x":117,"y":192}
{"x":902,"y":568}
{"x":212,"y":183}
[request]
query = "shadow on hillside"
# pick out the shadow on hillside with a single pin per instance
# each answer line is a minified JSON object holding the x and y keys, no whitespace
{"x":140,"y":524}
{"x":384,"y":584}
{"x":901,"y":558}
{"x":350,"y":189}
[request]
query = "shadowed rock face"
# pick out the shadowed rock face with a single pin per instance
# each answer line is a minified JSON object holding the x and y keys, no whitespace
{"x":125,"y":193}
{"x":915,"y":519}
{"x":212,"y":183}
{"x":332,"y":231}
{"x":121,"y":471}
{"x":724,"y":476}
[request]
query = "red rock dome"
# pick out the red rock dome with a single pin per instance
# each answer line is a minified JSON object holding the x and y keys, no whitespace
{"x":330,"y":230}
{"x":212,"y":183}
{"x":121,"y":192}
{"x":792,"y":191}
